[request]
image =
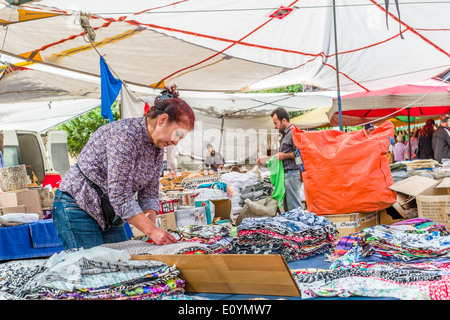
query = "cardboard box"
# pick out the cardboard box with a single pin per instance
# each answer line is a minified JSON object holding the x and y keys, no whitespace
{"x":222,"y":208}
{"x":389,"y":216}
{"x":407,"y":190}
{"x":166,"y":220}
{"x":432,"y":197}
{"x":46,"y":195}
{"x":163,"y":221}
{"x":434,"y":203}
{"x":353,"y":222}
{"x":14,"y":209}
{"x":29,"y":198}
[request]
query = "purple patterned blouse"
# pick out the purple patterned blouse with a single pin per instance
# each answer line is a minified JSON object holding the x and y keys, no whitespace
{"x":121,"y":160}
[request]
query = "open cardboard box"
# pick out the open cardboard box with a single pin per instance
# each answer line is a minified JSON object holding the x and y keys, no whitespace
{"x":353,"y":222}
{"x":431,"y":196}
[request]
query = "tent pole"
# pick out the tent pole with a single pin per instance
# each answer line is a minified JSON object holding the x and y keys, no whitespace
{"x":221,"y":134}
{"x":337,"y":69}
{"x":409,"y":134}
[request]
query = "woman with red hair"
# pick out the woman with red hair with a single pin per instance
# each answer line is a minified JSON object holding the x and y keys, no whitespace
{"x":424,"y":142}
{"x":120,"y":159}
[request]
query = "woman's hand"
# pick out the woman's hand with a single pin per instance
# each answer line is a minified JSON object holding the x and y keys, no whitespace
{"x":145,"y":222}
{"x":160,"y":236}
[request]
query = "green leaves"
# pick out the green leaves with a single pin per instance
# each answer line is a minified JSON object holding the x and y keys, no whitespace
{"x":80,"y":129}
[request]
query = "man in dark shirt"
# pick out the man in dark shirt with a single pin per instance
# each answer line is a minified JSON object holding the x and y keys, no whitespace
{"x":287,"y":152}
{"x":214,"y":159}
{"x":441,"y":140}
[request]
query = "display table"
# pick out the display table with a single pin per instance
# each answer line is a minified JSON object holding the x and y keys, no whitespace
{"x":314,"y":262}
{"x":32,"y":240}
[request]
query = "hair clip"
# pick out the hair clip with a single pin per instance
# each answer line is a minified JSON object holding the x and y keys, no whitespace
{"x":164,"y":96}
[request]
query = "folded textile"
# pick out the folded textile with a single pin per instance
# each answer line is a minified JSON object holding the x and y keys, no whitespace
{"x":43,"y":234}
{"x":364,"y":287}
{"x":295,"y":235}
{"x":20,"y":217}
{"x":90,"y":274}
{"x":16,"y":273}
{"x":141,"y":247}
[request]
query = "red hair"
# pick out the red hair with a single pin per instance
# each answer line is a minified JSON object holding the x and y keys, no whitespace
{"x":177,"y":109}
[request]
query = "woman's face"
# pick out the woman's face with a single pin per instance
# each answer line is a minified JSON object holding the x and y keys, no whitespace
{"x":167,"y":133}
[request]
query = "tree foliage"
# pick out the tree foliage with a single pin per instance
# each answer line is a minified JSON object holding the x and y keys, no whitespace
{"x":80,"y":129}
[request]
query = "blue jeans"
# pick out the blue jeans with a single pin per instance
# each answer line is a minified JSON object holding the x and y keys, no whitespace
{"x":292,"y":184}
{"x":77,"y":229}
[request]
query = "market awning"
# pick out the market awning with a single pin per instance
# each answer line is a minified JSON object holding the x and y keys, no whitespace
{"x":312,"y":119}
{"x":428,"y":98}
{"x":239,"y":45}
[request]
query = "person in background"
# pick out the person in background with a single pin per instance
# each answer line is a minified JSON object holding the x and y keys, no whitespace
{"x":440,"y":141}
{"x":213,"y":159}
{"x":414,"y":143}
{"x":121,"y":158}
{"x":368,"y":128}
{"x":287,"y":152}
{"x":2,"y":162}
{"x":399,"y":148}
{"x":425,"y":150}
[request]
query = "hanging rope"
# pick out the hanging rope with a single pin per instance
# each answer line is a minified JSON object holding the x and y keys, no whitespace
{"x":89,"y":37}
{"x":86,"y":25}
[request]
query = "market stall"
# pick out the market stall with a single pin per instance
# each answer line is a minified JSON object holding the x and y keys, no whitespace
{"x":370,"y":230}
{"x":307,"y":255}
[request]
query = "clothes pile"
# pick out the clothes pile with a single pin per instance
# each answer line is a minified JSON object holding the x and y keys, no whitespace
{"x":191,"y":239}
{"x":295,"y":235}
{"x":426,"y":168}
{"x":408,"y":241}
{"x":239,"y":181}
{"x":406,"y":260}
{"x":100,"y":273}
{"x":255,"y":192}
{"x":215,"y":236}
{"x":142,"y":245}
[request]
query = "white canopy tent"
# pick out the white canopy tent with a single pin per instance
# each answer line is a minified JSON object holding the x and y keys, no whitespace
{"x":209,"y":48}
{"x":237,"y":124}
{"x":230,"y":45}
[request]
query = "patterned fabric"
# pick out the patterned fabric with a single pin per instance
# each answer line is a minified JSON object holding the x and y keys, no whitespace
{"x":365,"y":287}
{"x":15,"y":274}
{"x":401,"y":276}
{"x":201,"y":233}
{"x":295,"y":235}
{"x":140,"y":247}
{"x":121,"y":160}
{"x":96,"y":274}
{"x":412,"y":252}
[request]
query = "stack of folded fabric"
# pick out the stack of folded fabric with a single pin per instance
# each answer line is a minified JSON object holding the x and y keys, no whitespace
{"x":215,"y":236}
{"x":295,"y":235}
{"x":356,"y":282}
{"x":145,"y":246}
{"x":409,"y":241}
{"x":409,"y":259}
{"x":102,"y":273}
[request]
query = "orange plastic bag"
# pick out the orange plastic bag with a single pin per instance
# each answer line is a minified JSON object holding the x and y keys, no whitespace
{"x":346,"y":172}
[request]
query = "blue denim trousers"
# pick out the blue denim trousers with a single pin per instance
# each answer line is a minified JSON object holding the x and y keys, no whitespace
{"x":292,"y":184}
{"x":77,"y":229}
